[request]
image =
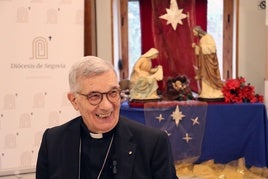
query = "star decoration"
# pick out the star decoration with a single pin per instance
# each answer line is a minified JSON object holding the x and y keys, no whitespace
{"x":174,"y":15}
{"x":195,"y":121}
{"x":177,"y":115}
{"x":160,"y":118}
{"x":187,"y":138}
{"x":169,"y":134}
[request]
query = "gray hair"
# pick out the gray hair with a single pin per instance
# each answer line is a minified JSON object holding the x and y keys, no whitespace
{"x":88,"y":66}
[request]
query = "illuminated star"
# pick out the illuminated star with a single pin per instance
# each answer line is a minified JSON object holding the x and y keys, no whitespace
{"x":195,"y":121}
{"x":160,"y":118}
{"x":169,"y":134}
{"x":174,"y":15}
{"x":177,"y":115}
{"x":187,"y":138}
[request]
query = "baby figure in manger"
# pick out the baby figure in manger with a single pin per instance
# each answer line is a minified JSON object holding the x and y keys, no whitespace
{"x":178,"y":89}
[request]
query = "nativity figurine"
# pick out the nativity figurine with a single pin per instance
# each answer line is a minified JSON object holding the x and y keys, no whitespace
{"x":207,"y":69}
{"x":178,"y":89}
{"x":144,"y":77}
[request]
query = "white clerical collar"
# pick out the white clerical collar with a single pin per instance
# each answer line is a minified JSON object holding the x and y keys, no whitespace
{"x":96,"y":135}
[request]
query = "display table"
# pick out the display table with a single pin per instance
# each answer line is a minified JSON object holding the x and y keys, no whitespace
{"x":232,"y":131}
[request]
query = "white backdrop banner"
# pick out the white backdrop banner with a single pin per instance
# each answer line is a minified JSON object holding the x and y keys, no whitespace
{"x":39,"y":42}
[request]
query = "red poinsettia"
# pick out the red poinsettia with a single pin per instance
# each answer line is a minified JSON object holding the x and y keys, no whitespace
{"x":237,"y":91}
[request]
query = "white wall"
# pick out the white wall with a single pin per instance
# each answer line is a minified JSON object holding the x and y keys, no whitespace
{"x":104,"y":29}
{"x":108,"y":36}
{"x":252,"y":44}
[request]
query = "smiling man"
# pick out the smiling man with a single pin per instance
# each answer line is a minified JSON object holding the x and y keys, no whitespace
{"x":99,"y":144}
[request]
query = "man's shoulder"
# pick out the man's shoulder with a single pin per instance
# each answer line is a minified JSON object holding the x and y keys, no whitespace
{"x":143,"y":135}
{"x":68,"y":125}
{"x":139,"y":128}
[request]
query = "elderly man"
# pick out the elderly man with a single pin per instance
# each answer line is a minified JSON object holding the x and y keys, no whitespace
{"x":99,"y":143}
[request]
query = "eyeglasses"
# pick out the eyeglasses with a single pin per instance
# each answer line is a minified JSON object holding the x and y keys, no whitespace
{"x":95,"y":98}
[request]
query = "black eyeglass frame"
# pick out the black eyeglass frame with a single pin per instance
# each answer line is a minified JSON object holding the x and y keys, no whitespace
{"x":118,"y":90}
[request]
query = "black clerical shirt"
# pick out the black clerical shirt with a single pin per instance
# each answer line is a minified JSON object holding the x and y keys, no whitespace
{"x":93,"y":152}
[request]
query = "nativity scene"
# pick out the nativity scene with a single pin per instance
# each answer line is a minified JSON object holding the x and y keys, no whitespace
{"x":176,"y":48}
{"x":174,"y":33}
{"x":176,"y":82}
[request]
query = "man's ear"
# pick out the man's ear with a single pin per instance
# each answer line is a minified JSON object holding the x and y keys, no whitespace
{"x":72,"y":98}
